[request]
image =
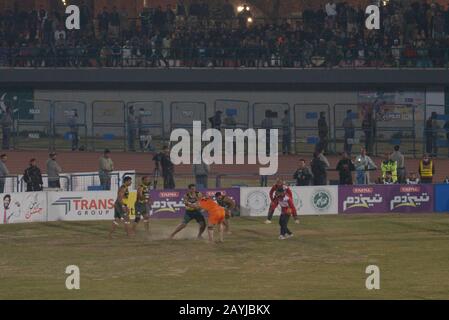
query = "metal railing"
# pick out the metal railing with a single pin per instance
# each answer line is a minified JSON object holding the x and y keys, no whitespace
{"x":64,"y":181}
{"x":298,"y":56}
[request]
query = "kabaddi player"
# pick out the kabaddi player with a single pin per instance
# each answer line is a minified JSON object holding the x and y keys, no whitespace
{"x":228,"y":204}
{"x":216,"y":217}
{"x":193,"y":211}
{"x":274,"y":201}
{"x":121,"y":209}
{"x":143,"y":204}
{"x":287,"y":209}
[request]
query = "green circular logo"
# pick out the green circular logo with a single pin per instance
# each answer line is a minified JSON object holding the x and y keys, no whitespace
{"x":321,"y":200}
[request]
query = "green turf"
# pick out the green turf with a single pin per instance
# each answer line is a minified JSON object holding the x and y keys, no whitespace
{"x":326,"y":259}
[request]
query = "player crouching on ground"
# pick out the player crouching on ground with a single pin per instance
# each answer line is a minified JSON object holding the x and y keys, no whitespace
{"x":228,"y":204}
{"x":287,"y":209}
{"x":121,"y":209}
{"x":193,"y":211}
{"x":216,"y":217}
{"x":143,"y":204}
{"x":274,"y":200}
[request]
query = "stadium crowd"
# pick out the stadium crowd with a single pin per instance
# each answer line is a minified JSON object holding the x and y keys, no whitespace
{"x":415,"y":35}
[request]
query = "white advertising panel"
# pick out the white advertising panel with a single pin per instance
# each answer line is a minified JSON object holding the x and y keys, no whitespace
{"x":81,"y":206}
{"x":23,"y":207}
{"x":314,"y":200}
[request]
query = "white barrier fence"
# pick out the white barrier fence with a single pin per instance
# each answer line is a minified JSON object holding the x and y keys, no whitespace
{"x":99,"y":205}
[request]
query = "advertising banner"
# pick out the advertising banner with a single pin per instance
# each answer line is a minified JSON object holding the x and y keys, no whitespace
{"x":314,"y":200}
{"x":441,"y":198}
{"x":386,"y":199}
{"x":23,"y":207}
{"x":81,"y":206}
{"x":169,"y":203}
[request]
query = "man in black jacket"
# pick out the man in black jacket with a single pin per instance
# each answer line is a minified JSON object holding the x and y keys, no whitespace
{"x":319,"y":165}
{"x":162,"y":160}
{"x":33,"y":177}
{"x":302,"y":175}
{"x":345,"y":168}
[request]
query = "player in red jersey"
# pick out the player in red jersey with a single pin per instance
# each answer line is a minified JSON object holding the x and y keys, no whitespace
{"x":287,"y":209}
{"x":274,"y":200}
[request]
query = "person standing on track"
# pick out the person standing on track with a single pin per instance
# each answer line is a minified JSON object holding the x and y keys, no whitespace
{"x":106,"y":167}
{"x":274,"y":200}
{"x":193,"y":211}
{"x":228,"y":204}
{"x":121,"y":207}
{"x":287,"y":209}
{"x":143,"y":204}
{"x":33,"y":177}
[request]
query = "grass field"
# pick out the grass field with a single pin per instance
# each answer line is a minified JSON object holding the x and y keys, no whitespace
{"x":326,"y":259}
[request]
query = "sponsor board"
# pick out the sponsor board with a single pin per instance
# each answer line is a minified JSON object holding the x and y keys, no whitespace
{"x":441,"y":198}
{"x":81,"y":206}
{"x":169,"y":203}
{"x":255,"y":202}
{"x":386,"y":199}
{"x":23,"y":207}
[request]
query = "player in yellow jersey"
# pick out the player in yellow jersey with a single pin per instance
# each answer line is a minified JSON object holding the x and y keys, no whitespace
{"x":143,"y":204}
{"x":121,"y":207}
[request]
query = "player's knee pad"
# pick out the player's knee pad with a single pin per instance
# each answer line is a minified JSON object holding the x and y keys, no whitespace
{"x":137,"y":219}
{"x":210,"y":227}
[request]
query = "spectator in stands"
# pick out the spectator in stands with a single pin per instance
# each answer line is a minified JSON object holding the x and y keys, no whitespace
{"x":215,"y":120}
{"x":53,"y":171}
{"x":331,"y":11}
{"x":389,"y":165}
{"x":4,"y":172}
{"x":103,"y":23}
{"x":114,"y":23}
{"x":431,"y":134}
{"x":345,"y":168}
{"x":7,"y":123}
{"x":286,"y":133}
{"x":446,"y":129}
{"x":398,"y":157}
{"x":363,"y":164}
{"x":180,"y":9}
{"x":323,"y":133}
{"x":303,"y":175}
{"x":106,"y":166}
{"x":132,"y":127}
{"x":349,"y":134}
{"x":228,"y":10}
{"x":74,"y":127}
{"x":388,"y":179}
{"x":426,"y":169}
{"x":319,"y":166}
{"x":201,"y":173}
{"x":412,"y":178}
{"x":33,"y":177}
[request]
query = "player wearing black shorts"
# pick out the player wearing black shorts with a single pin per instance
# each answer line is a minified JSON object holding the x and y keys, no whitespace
{"x":121,"y":209}
{"x":228,"y":204}
{"x":193,"y":211}
{"x":143,"y":204}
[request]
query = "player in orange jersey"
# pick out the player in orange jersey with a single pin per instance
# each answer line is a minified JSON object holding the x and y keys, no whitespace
{"x":216,"y":217}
